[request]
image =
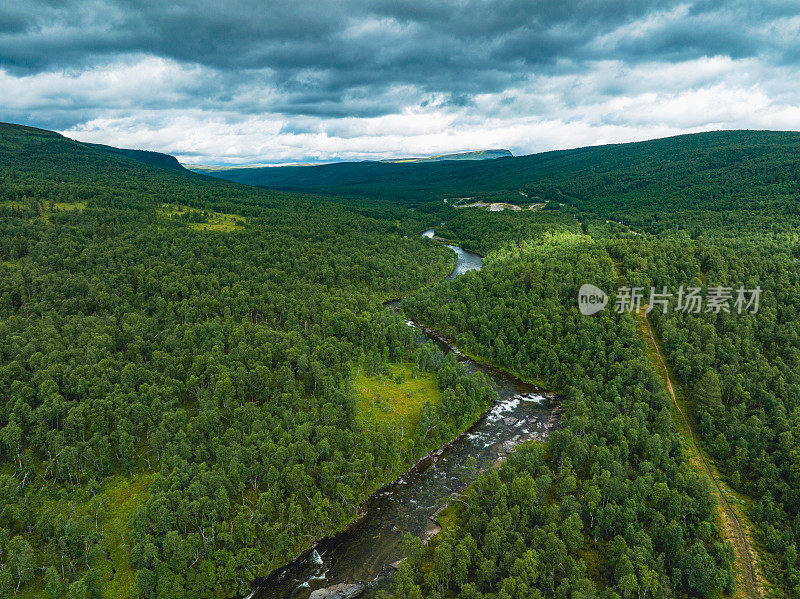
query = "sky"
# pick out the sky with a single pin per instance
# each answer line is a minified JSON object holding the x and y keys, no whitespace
{"x":234,"y":82}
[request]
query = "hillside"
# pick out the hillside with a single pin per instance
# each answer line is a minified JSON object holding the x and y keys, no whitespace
{"x":716,"y":171}
{"x":20,"y":141}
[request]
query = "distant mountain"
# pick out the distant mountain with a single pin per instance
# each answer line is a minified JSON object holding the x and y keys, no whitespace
{"x":472,"y":156}
{"x":475,"y":155}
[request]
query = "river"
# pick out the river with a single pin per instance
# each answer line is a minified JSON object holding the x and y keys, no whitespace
{"x":366,"y":549}
{"x":465,"y":261}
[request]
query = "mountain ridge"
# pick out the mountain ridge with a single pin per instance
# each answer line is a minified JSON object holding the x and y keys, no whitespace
{"x":740,"y":163}
{"x":491,"y":154}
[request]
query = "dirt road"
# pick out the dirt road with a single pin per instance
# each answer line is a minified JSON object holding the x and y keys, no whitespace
{"x":735,"y":531}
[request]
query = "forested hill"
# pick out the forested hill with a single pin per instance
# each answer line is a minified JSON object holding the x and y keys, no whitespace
{"x":146,"y":156}
{"x":715,"y":171}
{"x":18,"y":138}
{"x":40,"y":166}
{"x":178,"y":356}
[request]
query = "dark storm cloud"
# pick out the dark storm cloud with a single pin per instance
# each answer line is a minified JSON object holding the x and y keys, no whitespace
{"x":235,"y":80}
{"x":317,"y":54}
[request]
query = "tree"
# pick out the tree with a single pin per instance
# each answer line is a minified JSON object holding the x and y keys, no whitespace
{"x":708,"y":391}
{"x":21,"y":561}
{"x":54,"y":586}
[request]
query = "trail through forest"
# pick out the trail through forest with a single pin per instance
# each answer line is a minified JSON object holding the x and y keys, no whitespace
{"x":732,"y":526}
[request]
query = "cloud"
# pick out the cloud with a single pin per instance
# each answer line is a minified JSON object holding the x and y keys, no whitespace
{"x":330,"y":79}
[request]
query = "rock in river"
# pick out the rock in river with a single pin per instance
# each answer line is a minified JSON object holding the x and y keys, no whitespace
{"x":343,"y":590}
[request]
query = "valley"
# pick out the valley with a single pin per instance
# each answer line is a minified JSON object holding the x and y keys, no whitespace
{"x":212,"y":390}
{"x":465,"y":299}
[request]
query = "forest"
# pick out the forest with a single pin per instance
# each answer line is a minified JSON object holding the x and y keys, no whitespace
{"x":738,"y":372}
{"x":610,"y":507}
{"x":180,"y":358}
{"x":178,"y":412}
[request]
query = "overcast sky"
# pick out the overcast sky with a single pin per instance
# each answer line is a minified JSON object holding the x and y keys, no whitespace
{"x":233,"y":82}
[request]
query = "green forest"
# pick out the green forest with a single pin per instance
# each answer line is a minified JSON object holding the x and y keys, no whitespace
{"x":178,"y":412}
{"x":739,"y":379}
{"x":188,"y":368}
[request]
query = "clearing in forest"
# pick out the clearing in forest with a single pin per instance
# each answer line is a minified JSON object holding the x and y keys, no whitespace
{"x":124,"y":494}
{"x":202,"y":220}
{"x":396,"y":397}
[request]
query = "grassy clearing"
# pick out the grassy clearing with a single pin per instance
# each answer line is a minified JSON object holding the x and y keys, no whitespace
{"x":68,"y":207}
{"x":203,"y":220}
{"x":125,"y":494}
{"x":48,"y":206}
{"x":396,"y":398}
{"x":224,"y":223}
{"x":46,"y":209}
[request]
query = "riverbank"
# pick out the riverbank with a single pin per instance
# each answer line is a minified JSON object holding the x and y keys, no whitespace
{"x":521,"y":411}
{"x":385,"y":488}
{"x":459,"y":243}
{"x":450,"y":344}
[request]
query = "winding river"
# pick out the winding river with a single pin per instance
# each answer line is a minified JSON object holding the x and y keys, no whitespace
{"x":365,"y":550}
{"x":465,"y":261}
